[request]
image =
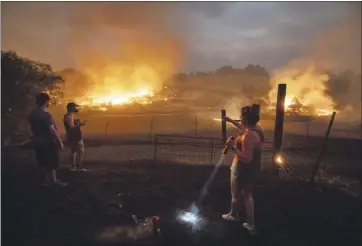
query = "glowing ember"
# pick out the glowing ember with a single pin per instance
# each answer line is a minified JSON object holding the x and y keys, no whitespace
{"x":279,"y":160}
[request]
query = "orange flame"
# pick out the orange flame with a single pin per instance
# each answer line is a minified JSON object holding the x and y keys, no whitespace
{"x":305,"y":91}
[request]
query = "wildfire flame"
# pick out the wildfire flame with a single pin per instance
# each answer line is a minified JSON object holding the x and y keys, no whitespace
{"x":305,"y":91}
{"x":119,"y":85}
{"x":119,"y":98}
{"x":135,"y":76}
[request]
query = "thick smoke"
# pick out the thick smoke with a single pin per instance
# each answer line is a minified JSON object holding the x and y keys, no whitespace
{"x":330,"y":73}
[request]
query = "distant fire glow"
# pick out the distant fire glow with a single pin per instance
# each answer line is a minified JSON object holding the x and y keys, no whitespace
{"x":122,"y":83}
{"x":141,"y":97}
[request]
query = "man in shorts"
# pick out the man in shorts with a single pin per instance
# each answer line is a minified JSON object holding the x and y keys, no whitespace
{"x":47,"y":141}
{"x":74,"y":137}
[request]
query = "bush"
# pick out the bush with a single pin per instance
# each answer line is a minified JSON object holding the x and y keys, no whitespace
{"x":21,"y":80}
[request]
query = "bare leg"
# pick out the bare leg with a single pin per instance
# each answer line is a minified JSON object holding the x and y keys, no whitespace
{"x":72,"y":158}
{"x":79,"y":158}
{"x":52,"y":174}
{"x":234,"y":206}
{"x":249,"y":205}
{"x":235,"y":200}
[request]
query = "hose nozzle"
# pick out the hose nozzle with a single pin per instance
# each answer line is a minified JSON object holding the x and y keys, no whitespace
{"x":225,"y":150}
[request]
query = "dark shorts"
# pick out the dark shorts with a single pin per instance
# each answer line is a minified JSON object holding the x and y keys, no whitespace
{"x":47,"y":155}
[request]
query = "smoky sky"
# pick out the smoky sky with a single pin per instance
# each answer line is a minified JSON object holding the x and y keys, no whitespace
{"x":208,"y":34}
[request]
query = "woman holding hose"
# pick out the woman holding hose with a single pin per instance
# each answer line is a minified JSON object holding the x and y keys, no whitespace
{"x":246,"y":166}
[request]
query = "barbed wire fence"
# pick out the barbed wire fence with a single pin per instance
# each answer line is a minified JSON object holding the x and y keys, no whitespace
{"x":195,"y":139}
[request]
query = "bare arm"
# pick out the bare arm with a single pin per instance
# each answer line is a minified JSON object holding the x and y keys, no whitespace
{"x":246,"y":155}
{"x":238,"y":124}
{"x":51,"y":127}
{"x":235,"y":123}
{"x":55,"y":133}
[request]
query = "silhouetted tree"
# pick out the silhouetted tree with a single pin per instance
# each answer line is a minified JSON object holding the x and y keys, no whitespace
{"x":225,"y":70}
{"x":21,"y":78}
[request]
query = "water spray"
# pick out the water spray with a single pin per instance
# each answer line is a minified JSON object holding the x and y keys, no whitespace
{"x":212,"y":176}
{"x":191,"y":215}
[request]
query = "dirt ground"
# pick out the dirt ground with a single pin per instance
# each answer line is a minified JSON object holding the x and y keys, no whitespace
{"x":125,"y":179}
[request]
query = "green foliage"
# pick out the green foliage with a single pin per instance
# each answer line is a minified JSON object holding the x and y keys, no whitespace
{"x":21,"y":78}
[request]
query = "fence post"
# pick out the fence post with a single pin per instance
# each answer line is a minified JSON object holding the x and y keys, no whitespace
{"x":323,"y":148}
{"x":307,"y":132}
{"x":107,"y":127}
{"x":212,"y":151}
{"x":196,"y":126}
{"x":151,"y":126}
{"x":279,"y":121}
{"x":223,"y":125}
{"x":155,"y":150}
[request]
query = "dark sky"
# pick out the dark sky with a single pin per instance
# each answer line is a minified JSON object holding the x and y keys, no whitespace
{"x":205,"y":35}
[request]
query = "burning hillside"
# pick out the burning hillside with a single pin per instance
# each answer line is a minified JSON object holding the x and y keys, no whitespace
{"x":123,"y":84}
{"x":135,"y":77}
{"x":306,"y":91}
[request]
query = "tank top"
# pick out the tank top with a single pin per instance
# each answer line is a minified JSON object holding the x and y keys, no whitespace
{"x":254,"y":167}
{"x":73,"y":134}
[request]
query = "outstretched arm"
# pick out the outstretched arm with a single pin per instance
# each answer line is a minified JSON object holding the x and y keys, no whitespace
{"x":235,"y":123}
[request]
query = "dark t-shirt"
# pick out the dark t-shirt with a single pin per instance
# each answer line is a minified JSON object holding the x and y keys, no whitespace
{"x":40,"y":121}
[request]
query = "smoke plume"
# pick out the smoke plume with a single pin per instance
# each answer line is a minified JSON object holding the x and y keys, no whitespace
{"x":329,"y":75}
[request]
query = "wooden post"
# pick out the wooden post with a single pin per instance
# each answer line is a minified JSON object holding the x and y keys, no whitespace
{"x":323,"y":148}
{"x":223,"y":125}
{"x":279,"y":121}
{"x":155,"y":145}
{"x":106,"y":133}
{"x":151,"y":126}
{"x":196,"y":126}
{"x":212,"y":151}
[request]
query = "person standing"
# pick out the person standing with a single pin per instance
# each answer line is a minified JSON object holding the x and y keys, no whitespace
{"x":74,"y":137}
{"x":246,"y":167}
{"x":47,"y":141}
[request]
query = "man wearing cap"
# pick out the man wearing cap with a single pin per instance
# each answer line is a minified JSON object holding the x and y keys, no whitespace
{"x":74,"y":137}
{"x":47,"y":141}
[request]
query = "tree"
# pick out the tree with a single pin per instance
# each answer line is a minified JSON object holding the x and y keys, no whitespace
{"x":225,"y":70}
{"x":256,"y":70}
{"x":21,"y":79}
